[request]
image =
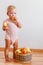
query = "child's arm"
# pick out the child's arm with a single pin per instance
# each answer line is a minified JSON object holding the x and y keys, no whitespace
{"x":19,"y":25}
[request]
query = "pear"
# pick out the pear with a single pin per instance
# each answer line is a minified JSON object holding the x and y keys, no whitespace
{"x":28,"y":50}
{"x":4,"y":24}
{"x":18,"y":51}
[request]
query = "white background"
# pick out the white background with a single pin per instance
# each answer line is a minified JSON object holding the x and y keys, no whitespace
{"x":30,"y":14}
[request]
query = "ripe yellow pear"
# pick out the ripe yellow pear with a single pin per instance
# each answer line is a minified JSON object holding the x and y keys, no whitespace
{"x":28,"y":50}
{"x":18,"y":51}
{"x":4,"y":24}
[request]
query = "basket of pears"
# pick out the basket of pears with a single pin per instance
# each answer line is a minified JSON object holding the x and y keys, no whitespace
{"x":23,"y":54}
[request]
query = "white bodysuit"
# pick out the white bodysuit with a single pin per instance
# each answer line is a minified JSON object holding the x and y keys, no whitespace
{"x":12,"y":33}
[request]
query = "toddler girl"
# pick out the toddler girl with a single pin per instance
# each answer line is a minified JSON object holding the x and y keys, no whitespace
{"x":10,"y":26}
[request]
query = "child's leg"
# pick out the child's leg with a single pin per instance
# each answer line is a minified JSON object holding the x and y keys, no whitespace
{"x":15,"y":47}
{"x":7,"y":47}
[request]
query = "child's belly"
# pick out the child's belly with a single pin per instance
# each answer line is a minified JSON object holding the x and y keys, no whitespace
{"x":12,"y":33}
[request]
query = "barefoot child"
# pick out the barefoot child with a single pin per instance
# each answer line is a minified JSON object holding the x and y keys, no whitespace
{"x":10,"y":26}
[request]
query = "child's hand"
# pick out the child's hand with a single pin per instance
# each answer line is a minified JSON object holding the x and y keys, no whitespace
{"x":5,"y":28}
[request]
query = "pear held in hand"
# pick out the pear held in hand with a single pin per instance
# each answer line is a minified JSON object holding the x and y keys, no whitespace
{"x":4,"y":24}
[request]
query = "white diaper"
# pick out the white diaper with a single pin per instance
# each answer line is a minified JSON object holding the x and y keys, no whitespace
{"x":12,"y":39}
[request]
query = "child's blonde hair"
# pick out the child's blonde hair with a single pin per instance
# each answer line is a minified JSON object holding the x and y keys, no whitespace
{"x":10,"y":7}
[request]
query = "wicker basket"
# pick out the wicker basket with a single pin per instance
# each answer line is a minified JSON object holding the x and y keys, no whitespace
{"x":23,"y":57}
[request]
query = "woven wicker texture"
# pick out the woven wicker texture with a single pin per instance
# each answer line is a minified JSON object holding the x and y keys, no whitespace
{"x":23,"y":57}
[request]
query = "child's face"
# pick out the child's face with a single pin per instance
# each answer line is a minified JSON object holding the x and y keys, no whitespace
{"x":12,"y":13}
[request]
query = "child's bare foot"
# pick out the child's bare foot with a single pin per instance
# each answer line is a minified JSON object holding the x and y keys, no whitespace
{"x":9,"y":59}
